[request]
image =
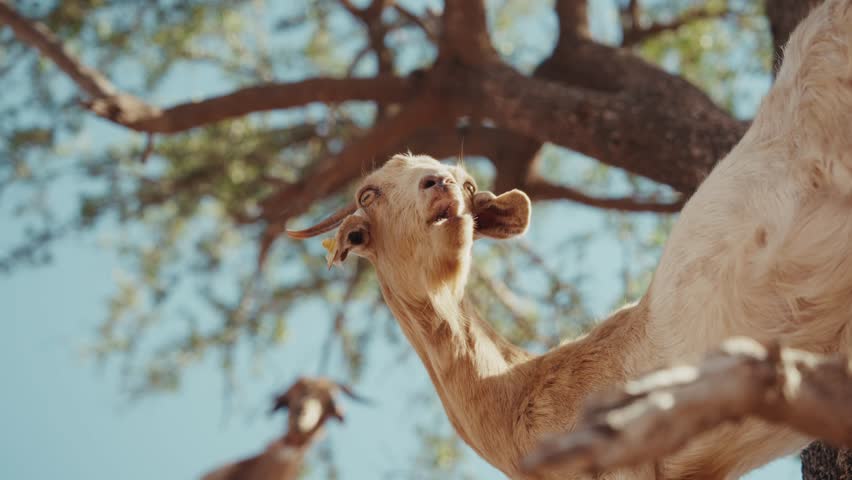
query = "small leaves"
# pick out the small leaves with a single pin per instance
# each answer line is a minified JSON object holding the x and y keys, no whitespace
{"x":330,"y":246}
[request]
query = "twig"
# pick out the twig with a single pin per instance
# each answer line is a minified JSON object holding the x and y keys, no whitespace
{"x":149,"y":147}
{"x":540,"y":189}
{"x":340,"y":316}
{"x":410,"y":17}
{"x":350,"y":71}
{"x":509,"y":300}
{"x":636,"y":34}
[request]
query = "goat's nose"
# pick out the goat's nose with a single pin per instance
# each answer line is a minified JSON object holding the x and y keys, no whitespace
{"x":430,"y":181}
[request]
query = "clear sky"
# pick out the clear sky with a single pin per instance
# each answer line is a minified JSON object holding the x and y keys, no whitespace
{"x":63,"y":416}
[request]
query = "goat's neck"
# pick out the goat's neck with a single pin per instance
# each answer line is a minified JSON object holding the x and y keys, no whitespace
{"x":499,"y":398}
{"x":467,"y":361}
{"x":447,"y":333}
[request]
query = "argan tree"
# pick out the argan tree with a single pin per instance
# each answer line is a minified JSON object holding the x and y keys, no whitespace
{"x":613,"y":111}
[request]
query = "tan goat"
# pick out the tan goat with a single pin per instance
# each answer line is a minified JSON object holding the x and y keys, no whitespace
{"x":311,"y":403}
{"x":763,"y":249}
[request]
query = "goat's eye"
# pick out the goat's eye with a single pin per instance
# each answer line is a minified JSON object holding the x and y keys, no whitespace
{"x":367,"y":197}
{"x":470,"y":188}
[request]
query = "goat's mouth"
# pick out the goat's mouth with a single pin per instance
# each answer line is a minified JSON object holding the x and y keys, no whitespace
{"x":444,"y":212}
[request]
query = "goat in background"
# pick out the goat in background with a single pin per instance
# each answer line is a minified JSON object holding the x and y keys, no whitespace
{"x":311,"y":404}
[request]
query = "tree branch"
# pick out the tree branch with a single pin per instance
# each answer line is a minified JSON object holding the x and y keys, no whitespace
{"x":371,"y":17}
{"x":540,"y":189}
{"x":509,"y":300}
{"x":655,"y":125}
{"x":573,"y":18}
{"x":637,"y":34}
{"x":465,"y":32}
{"x":384,"y":88}
{"x":630,"y":13}
{"x":824,"y":462}
{"x":424,"y":24}
{"x":656,"y":415}
{"x":361,"y":155}
{"x":124,"y":109}
{"x":38,"y":36}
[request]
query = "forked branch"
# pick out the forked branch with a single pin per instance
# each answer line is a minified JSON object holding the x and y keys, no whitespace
{"x":656,"y":415}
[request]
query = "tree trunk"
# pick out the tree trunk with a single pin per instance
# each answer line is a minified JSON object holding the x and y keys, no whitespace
{"x":823,"y":462}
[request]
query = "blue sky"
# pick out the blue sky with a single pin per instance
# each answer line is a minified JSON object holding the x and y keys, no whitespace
{"x":65,"y":417}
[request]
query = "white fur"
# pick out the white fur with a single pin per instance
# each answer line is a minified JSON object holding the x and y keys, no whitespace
{"x":764,"y":247}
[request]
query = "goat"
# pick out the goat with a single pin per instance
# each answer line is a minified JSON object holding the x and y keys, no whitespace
{"x":311,"y":403}
{"x":762,"y":249}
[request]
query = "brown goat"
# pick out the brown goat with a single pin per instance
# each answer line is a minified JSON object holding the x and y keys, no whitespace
{"x":763,"y":249}
{"x":311,"y":403}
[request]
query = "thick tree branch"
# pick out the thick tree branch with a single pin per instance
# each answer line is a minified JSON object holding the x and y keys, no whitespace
{"x":573,"y":18}
{"x":449,"y":141}
{"x":824,"y":462}
{"x":658,"y":126}
{"x":385,"y":88}
{"x":614,"y":127}
{"x":465,"y":32}
{"x":540,"y":189}
{"x":656,"y":415}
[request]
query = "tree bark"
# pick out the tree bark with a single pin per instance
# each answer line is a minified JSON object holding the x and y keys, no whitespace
{"x":821,"y":461}
{"x":654,"y":416}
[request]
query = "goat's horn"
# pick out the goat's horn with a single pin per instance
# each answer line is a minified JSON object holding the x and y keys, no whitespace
{"x":351,"y":394}
{"x":329,"y":223}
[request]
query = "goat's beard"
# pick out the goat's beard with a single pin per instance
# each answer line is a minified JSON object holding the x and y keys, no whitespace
{"x":435,"y":257}
{"x":452,"y":241}
{"x":453,"y":235}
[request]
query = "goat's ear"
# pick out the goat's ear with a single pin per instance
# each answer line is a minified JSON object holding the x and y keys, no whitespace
{"x":501,"y":217}
{"x":353,"y":236}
